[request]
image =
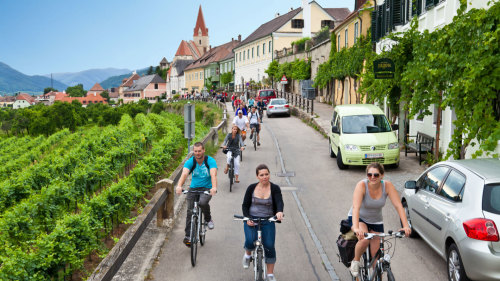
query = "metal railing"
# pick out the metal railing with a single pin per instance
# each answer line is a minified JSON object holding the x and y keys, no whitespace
{"x":306,"y":105}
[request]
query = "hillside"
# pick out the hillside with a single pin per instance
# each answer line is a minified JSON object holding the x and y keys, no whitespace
{"x":88,"y":77}
{"x":13,"y":81}
{"x":116,"y":81}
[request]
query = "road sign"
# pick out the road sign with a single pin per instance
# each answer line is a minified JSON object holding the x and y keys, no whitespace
{"x":284,"y":80}
{"x":189,"y":119}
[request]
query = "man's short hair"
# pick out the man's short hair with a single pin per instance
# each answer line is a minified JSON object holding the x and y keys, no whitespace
{"x":198,"y":144}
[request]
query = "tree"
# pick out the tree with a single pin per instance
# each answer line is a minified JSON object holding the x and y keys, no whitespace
{"x":76,"y":91}
{"x":150,"y":70}
{"x":49,"y":89}
{"x":105,"y":94}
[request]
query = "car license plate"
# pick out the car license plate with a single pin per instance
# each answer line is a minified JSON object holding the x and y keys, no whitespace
{"x":374,"y":155}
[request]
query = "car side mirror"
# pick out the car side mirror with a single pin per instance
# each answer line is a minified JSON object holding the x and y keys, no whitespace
{"x":395,"y":127}
{"x":335,"y":130}
{"x":411,"y":185}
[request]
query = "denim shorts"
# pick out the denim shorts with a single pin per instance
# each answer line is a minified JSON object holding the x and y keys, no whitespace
{"x":371,"y":226}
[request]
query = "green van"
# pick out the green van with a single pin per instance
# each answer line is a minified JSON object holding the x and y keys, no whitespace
{"x":361,"y":134}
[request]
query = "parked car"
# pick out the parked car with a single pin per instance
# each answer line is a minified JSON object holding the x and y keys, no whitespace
{"x":266,"y":95}
{"x":278,"y":107}
{"x":455,"y":207}
{"x":360,"y":135}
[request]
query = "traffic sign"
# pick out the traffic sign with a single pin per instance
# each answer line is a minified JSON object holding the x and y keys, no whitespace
{"x":284,"y":80}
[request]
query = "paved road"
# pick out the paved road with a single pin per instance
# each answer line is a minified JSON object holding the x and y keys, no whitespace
{"x":319,"y":189}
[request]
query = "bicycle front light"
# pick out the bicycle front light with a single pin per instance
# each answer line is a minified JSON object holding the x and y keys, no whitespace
{"x":257,"y":243}
{"x":387,"y":258}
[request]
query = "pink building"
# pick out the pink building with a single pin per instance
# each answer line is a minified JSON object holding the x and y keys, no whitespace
{"x":148,"y":87}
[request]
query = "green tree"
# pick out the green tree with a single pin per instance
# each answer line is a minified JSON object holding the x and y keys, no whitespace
{"x":76,"y":91}
{"x":105,"y":94}
{"x":49,"y":89}
{"x":150,"y":70}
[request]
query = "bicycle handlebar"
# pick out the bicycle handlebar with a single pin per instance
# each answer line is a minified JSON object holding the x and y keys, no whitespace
{"x":242,"y":218}
{"x":196,"y":191}
{"x":398,"y":234}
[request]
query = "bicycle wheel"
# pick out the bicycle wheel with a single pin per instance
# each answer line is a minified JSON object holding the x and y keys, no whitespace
{"x":202,"y":228}
{"x":259,"y":270}
{"x":390,"y":276}
{"x":363,"y":269}
{"x":194,"y":239}
{"x":255,"y":141}
{"x":231,"y":174}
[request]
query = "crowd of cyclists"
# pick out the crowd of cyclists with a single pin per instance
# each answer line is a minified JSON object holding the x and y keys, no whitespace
{"x":263,"y":199}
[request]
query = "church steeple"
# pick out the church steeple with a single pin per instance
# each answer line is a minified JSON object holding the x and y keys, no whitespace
{"x":200,"y":33}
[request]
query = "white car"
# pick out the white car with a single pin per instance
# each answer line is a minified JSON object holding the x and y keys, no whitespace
{"x":278,"y":107}
{"x":455,"y":207}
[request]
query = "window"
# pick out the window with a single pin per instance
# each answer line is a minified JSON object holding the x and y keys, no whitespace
{"x":420,"y":115}
{"x":156,"y":86}
{"x":298,"y":23}
{"x":491,"y":194}
{"x":258,"y":50}
{"x":240,"y":56}
{"x":244,"y":55}
{"x":432,"y":179}
{"x":453,"y":186}
{"x":338,"y":43}
{"x":252,"y":52}
{"x":200,"y":42}
{"x":270,"y":50}
{"x":356,"y":32}
{"x":264,"y":48}
{"x":196,"y":76}
{"x":328,"y":23}
{"x":248,"y":54}
{"x":346,"y":37}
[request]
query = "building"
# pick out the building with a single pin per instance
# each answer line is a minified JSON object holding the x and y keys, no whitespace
{"x":23,"y":100}
{"x":149,"y":87}
{"x":253,"y":56}
{"x":176,"y":79}
{"x":126,"y":84}
{"x":85,"y":101}
{"x":164,"y":63}
{"x":96,"y":89}
{"x":7,"y":101}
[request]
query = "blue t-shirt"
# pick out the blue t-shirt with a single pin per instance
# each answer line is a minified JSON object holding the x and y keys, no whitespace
{"x":201,"y":175}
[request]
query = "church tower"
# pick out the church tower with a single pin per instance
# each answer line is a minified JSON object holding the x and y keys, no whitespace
{"x":200,"y":35}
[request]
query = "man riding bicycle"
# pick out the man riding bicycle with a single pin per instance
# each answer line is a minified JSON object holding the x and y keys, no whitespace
{"x":261,"y":105}
{"x":204,"y":170}
{"x":242,"y":122}
{"x":254,"y":120}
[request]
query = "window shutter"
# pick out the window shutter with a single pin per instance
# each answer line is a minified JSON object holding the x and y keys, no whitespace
{"x":436,"y":2}
{"x":419,"y":7}
{"x":429,"y":4}
{"x":397,"y":14}
{"x":374,"y":26}
{"x":384,"y":21}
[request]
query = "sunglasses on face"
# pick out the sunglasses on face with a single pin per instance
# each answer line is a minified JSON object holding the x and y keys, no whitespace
{"x":376,"y":175}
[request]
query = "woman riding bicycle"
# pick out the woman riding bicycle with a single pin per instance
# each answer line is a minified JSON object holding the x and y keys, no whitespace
{"x":365,"y":214}
{"x":233,"y":141}
{"x":262,"y":200}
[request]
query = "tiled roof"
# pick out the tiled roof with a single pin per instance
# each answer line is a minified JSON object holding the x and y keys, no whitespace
{"x":271,"y":26}
{"x":164,"y":60}
{"x":194,"y":49}
{"x":8,"y":99}
{"x":97,"y":87}
{"x":180,"y":65}
{"x":183,"y":49}
{"x":339,"y":14}
{"x":26,"y":97}
{"x":129,"y":81}
{"x":215,"y":54}
{"x":200,"y":24}
{"x":144,"y":81}
{"x":92,"y":98}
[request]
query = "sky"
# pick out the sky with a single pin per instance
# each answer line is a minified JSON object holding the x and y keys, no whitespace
{"x":52,"y":36}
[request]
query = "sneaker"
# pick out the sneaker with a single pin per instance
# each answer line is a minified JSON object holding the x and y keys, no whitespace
{"x":246,"y":262}
{"x":271,"y":278}
{"x":251,"y":135}
{"x":187,"y":241}
{"x":354,"y":268}
{"x":258,"y":143}
{"x":210,"y":224}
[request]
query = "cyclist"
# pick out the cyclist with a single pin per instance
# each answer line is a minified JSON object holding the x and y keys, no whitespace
{"x":365,"y":214}
{"x":204,"y":170}
{"x":262,"y":200}
{"x":241,"y":108}
{"x":254,"y":120}
{"x":251,"y":102}
{"x":233,"y":140}
{"x":261,"y":105}
{"x":233,"y":99}
{"x":242,"y":123}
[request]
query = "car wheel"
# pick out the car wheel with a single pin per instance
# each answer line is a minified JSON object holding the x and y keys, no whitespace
{"x":268,"y":115}
{"x":332,"y":155}
{"x":407,"y":212}
{"x":340,"y":163}
{"x":395,"y":165}
{"x":456,"y":270}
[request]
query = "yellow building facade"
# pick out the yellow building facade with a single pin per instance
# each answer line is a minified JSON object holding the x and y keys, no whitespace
{"x":194,"y":79}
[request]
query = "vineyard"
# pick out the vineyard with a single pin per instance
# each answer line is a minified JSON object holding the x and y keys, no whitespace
{"x":61,"y":195}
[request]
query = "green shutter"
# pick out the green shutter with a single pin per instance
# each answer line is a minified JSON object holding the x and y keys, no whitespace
{"x":436,"y":2}
{"x":419,"y":7}
{"x":397,"y":14}
{"x":374,"y":26}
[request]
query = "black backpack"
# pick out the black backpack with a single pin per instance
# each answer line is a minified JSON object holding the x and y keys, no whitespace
{"x":194,"y":164}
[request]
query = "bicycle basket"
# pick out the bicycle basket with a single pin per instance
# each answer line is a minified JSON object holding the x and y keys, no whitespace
{"x":346,"y":250}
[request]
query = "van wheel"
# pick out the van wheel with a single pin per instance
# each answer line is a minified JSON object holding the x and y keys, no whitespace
{"x":332,"y":155}
{"x":340,"y":163}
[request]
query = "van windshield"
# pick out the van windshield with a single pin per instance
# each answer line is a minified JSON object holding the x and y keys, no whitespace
{"x":362,"y":124}
{"x":265,"y":94}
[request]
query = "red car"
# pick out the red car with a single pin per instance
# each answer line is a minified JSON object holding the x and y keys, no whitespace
{"x":266,"y":95}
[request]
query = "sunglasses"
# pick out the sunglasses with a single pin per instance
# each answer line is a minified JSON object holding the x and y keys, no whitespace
{"x":373,"y":175}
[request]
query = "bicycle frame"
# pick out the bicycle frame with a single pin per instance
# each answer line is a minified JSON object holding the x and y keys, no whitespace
{"x":198,"y":227}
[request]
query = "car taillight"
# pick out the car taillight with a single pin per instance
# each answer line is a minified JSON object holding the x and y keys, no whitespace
{"x":271,"y":106}
{"x":481,"y":229}
{"x":286,"y":105}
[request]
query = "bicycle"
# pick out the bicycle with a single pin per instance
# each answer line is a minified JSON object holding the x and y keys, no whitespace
{"x":198,"y":226}
{"x":381,"y":260}
{"x":254,"y":138}
{"x":258,"y":255}
{"x":234,"y":154}
{"x":261,"y":113}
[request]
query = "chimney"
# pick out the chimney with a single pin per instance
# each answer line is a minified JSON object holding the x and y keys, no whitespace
{"x":306,"y":14}
{"x":277,"y":15}
{"x":239,"y":37}
{"x":291,"y":9}
{"x":232,"y":39}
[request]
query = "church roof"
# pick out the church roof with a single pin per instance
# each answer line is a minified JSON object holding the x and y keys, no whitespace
{"x":200,"y":24}
{"x":188,"y":49}
{"x":97,"y":87}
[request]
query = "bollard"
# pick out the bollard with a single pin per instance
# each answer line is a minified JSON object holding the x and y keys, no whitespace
{"x":167,"y":208}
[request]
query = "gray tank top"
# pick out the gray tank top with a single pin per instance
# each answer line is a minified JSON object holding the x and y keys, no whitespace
{"x":371,"y":209}
{"x":262,"y":208}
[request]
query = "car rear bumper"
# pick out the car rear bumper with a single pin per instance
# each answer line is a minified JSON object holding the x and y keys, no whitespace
{"x":278,"y":111}
{"x":480,"y":260}
{"x":359,"y":158}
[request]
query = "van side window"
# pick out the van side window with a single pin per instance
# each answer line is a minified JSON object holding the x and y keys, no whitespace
{"x":337,"y":123}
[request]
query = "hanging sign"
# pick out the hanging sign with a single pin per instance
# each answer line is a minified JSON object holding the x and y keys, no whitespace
{"x":383,"y":68}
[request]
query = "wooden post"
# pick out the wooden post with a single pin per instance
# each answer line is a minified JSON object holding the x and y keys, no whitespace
{"x":312,"y":107}
{"x":167,"y":209}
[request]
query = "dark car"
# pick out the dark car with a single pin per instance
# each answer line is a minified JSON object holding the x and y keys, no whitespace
{"x":266,"y":95}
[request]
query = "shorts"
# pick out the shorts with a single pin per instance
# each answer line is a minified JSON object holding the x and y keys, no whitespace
{"x":256,"y":126}
{"x":243,"y":133}
{"x":371,"y":226}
